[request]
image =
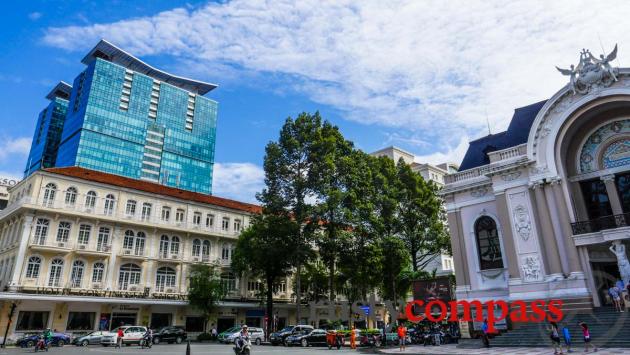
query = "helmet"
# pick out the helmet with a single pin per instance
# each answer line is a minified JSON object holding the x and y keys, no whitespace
{"x":244,"y":326}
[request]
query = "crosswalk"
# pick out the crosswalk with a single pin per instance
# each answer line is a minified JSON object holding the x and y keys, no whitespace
{"x":453,"y":350}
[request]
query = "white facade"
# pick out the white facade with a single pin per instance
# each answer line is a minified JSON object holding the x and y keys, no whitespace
{"x":558,"y":202}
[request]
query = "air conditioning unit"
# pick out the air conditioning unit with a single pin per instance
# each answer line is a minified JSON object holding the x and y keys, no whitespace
{"x":127,"y":252}
{"x":96,"y":286}
{"x":169,"y":290}
{"x":82,"y":246}
{"x":133,"y":288}
{"x":196,"y":258}
{"x":174,"y":256}
{"x":106,"y":247}
{"x":61,"y":244}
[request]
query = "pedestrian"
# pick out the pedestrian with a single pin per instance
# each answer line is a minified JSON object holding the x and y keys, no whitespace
{"x":554,"y":334}
{"x":353,"y":337}
{"x":587,"y":337}
{"x":402,"y":336}
{"x":567,"y":338}
{"x":213,"y":332}
{"x":614,"y":295}
{"x":621,"y":287}
{"x":119,"y":337}
{"x":485,"y":336}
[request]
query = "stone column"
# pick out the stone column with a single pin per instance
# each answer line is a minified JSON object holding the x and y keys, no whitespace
{"x":111,"y":264}
{"x":578,"y":201}
{"x":565,"y":226}
{"x":590,"y":281}
{"x":509,"y":246}
{"x":27,"y":223}
{"x":557,"y":230}
{"x":613,"y":196}
{"x":462,"y":277}
{"x":546,"y":236}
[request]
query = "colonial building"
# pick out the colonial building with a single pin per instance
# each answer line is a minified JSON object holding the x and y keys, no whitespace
{"x":540,"y":211}
{"x":443,"y":263}
{"x":82,"y":250}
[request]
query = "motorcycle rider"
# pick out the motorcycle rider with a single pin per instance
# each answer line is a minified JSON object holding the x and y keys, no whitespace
{"x":242,"y":339}
{"x":48,"y":336}
{"x":147,"y":339}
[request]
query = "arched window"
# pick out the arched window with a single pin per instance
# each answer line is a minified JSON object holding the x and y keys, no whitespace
{"x":102,"y":242}
{"x":78,"y":267}
{"x":139,"y":245}
{"x":205,"y":250}
{"x":129,"y":275}
{"x":130,"y":210}
{"x":97,"y":272}
{"x":226,"y":252}
{"x":84,"y":234}
{"x":228,"y":280}
{"x":90,"y":199}
{"x":110,"y":201}
{"x":128,"y":240}
{"x":175,"y":245}
{"x":33,"y":267}
{"x":196,"y":247}
{"x":146,"y":211}
{"x":49,"y":194}
{"x":164,"y":241}
{"x":63,"y":232}
{"x":71,"y":196}
{"x":488,"y":244}
{"x":165,"y":279}
{"x":41,"y":231}
{"x":56,"y":270}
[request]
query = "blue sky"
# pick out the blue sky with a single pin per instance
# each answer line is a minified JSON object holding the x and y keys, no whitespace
{"x":424,"y":76}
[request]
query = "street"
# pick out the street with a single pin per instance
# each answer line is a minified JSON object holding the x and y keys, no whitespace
{"x":196,"y":349}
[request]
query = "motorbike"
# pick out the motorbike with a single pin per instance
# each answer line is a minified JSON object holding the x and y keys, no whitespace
{"x":334,"y":339}
{"x":147,"y":341}
{"x":371,"y":340}
{"x":243,"y":347}
{"x":41,"y":344}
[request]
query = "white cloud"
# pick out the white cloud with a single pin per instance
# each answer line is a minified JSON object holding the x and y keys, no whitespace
{"x":431,"y":67}
{"x":451,"y":155}
{"x":240,"y":181}
{"x":11,"y":148}
{"x":34,"y":16}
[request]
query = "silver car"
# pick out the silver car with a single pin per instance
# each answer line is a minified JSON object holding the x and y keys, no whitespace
{"x":256,"y":336}
{"x":90,"y":339}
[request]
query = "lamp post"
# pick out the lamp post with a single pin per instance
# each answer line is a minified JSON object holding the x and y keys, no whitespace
{"x":6,"y":331}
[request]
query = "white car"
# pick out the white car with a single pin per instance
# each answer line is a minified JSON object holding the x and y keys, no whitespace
{"x":256,"y":336}
{"x":132,"y":335}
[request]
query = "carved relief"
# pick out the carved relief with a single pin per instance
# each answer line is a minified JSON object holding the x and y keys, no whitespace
{"x":511,"y":176}
{"x":522,"y":223}
{"x":531,"y":268}
{"x":479,"y":192}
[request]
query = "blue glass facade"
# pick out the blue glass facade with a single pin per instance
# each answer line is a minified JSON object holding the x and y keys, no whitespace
{"x":47,"y":136}
{"x":127,"y":123}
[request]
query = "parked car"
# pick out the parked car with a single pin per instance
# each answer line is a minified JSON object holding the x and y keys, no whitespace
{"x":29,"y":341}
{"x":280,"y":336}
{"x":170,"y":334}
{"x":222,"y":337}
{"x":132,"y":335}
{"x":315,"y":337}
{"x":89,"y":339}
{"x":256,"y":335}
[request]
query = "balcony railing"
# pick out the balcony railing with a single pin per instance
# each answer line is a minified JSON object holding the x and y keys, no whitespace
{"x":602,"y":223}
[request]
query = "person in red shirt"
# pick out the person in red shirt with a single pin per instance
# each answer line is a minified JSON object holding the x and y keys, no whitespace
{"x":353,"y":337}
{"x":119,"y":337}
{"x":402,"y":336}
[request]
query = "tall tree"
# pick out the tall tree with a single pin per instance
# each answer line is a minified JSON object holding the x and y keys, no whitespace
{"x":289,"y":182}
{"x":420,"y":213}
{"x":263,"y":250}
{"x":205,"y":290}
{"x":396,"y":263}
{"x":333,"y":161}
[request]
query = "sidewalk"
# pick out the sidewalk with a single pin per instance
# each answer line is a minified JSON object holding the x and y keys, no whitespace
{"x":452,"y":350}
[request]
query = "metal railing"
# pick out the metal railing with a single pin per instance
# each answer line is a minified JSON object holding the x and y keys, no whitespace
{"x":601,"y":223}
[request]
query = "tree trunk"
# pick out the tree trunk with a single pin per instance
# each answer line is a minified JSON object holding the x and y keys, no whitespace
{"x":269,"y":307}
{"x":298,"y":293}
{"x":414,"y":258}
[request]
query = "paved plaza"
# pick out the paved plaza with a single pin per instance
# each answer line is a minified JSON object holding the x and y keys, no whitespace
{"x":452,"y":350}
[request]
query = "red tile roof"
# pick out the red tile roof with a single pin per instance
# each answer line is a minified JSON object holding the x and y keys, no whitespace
{"x":146,"y":186}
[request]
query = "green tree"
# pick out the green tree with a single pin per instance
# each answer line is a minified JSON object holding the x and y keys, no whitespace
{"x":396,"y":264}
{"x":263,"y":250}
{"x":289,"y":183}
{"x":205,"y":290}
{"x":420,"y":214}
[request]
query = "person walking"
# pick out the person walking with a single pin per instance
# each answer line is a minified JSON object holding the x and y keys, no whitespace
{"x":567,"y":338}
{"x":353,"y":337}
{"x":402,"y":336}
{"x":213,"y":333}
{"x":485,"y":336}
{"x":119,"y":337}
{"x":554,"y":334}
{"x":587,"y":337}
{"x":616,"y":298}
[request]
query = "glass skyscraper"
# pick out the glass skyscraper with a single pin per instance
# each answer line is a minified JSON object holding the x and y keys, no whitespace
{"x":48,"y":130}
{"x":127,"y":118}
